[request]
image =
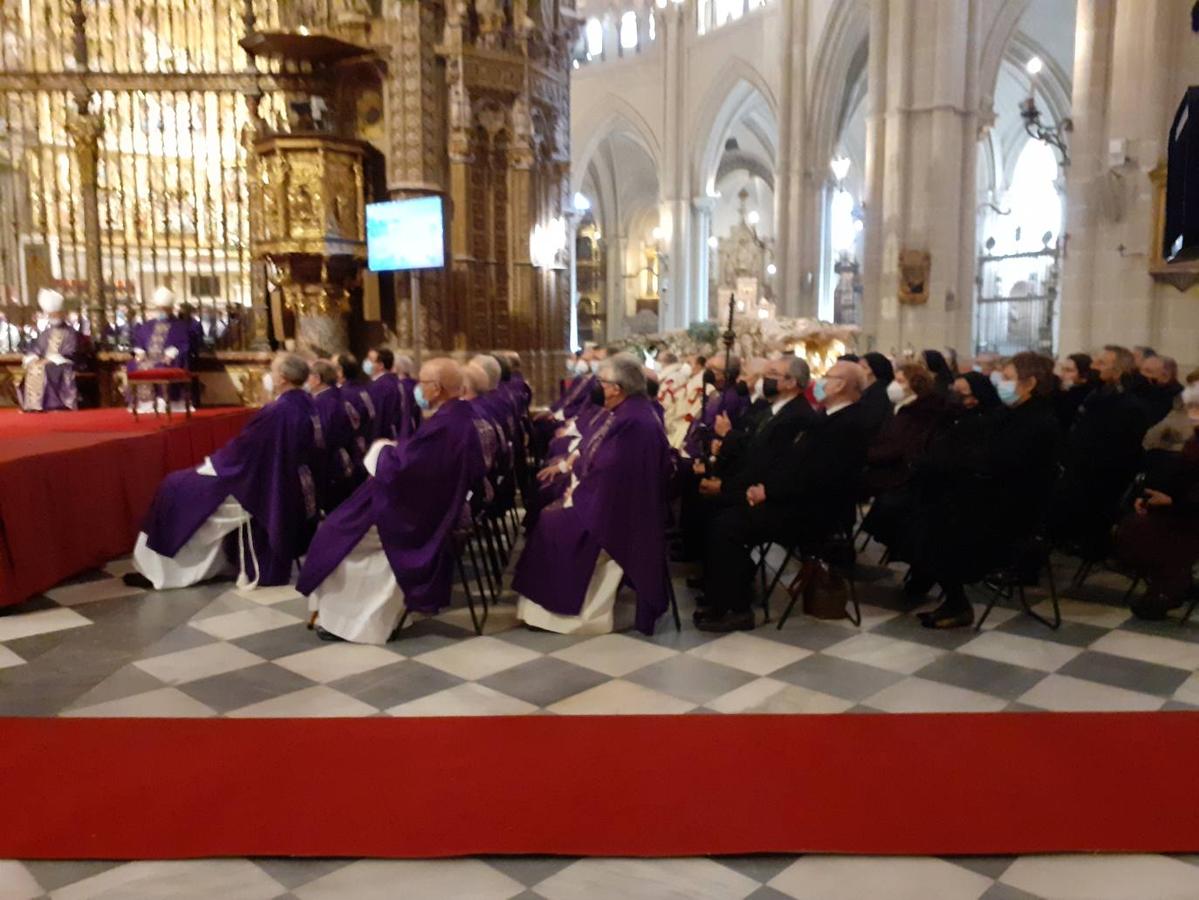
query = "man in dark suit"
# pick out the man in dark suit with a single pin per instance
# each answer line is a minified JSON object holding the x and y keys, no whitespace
{"x":758,"y":444}
{"x":800,"y":494}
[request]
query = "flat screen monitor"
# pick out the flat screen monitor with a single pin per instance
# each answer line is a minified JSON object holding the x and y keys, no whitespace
{"x":405,"y":234}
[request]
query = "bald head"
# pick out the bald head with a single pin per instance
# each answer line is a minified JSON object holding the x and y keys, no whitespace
{"x":475,"y":381}
{"x":440,"y":381}
{"x":843,"y":383}
{"x":491,"y":366}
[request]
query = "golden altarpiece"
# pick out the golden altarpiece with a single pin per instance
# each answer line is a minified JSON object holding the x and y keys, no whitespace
{"x":227,"y":149}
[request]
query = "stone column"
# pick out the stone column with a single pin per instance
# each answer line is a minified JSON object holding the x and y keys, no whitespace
{"x":701,"y":255}
{"x":615,"y":300}
{"x":1093,"y":36}
{"x":929,"y":139}
{"x":674,"y":179}
{"x":872,"y":194}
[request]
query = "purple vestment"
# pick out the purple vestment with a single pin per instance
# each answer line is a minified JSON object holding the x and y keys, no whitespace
{"x":699,"y":435}
{"x":341,"y":469}
{"x":617,"y":506}
{"x":415,"y":500}
{"x":156,"y":337}
{"x":48,"y":385}
{"x":361,"y":411}
{"x":393,"y":403}
{"x":268,"y":468}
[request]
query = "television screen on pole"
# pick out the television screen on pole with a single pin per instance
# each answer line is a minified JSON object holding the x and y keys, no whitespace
{"x":405,"y":234}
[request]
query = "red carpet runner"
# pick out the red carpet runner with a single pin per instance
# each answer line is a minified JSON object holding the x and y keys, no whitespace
{"x":626,"y":786}
{"x":75,"y":485}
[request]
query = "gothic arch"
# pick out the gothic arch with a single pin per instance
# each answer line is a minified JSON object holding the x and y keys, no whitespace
{"x":838,"y":73}
{"x":728,"y":95}
{"x":614,"y":115}
{"x":995,"y":45}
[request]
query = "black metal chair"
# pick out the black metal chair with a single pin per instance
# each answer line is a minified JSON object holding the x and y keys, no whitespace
{"x":836,"y":553}
{"x":1008,"y":581}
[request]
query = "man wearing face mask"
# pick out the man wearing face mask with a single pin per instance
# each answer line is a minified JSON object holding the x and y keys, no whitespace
{"x":724,"y":396}
{"x":163,"y":342}
{"x":357,"y":399}
{"x":388,"y":549}
{"x":801,"y":499}
{"x":252,"y":504}
{"x":341,"y":470}
{"x":49,"y":381}
{"x":608,"y":525}
{"x":395,"y":412}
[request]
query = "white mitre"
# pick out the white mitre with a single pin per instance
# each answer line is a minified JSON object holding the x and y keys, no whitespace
{"x":163,"y":298}
{"x":49,"y":301}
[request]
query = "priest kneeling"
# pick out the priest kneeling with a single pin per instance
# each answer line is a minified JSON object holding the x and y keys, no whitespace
{"x":608,"y":527}
{"x":253,"y":503}
{"x":389,"y":548}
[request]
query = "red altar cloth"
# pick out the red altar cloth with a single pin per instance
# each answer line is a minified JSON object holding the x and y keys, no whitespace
{"x":75,"y":485}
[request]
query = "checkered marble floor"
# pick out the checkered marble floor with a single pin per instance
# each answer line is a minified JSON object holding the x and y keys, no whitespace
{"x":95,"y":647}
{"x":555,"y":878}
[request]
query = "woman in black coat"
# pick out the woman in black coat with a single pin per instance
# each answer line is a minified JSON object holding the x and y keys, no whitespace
{"x":993,"y":501}
{"x":897,"y":449}
{"x":879,"y":375}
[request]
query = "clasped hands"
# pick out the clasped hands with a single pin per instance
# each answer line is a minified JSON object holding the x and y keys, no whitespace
{"x":1151,"y":499}
{"x":755,"y":495}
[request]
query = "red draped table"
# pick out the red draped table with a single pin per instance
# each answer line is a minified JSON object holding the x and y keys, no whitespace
{"x":75,"y":485}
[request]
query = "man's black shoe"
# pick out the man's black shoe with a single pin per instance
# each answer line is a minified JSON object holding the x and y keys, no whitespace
{"x":705,"y":613}
{"x":728,"y":622}
{"x":137,"y":580}
{"x":941,"y":618}
{"x":327,"y":635}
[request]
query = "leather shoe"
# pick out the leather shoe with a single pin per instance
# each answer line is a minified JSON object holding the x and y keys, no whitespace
{"x":729,"y":621}
{"x":939,"y":618}
{"x":327,"y":635}
{"x":138,"y":580}
{"x":706,"y":614}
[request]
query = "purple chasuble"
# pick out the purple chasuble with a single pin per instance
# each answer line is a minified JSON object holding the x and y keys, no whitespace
{"x":617,"y":506}
{"x":410,"y":412}
{"x":702,"y":430}
{"x":47,"y":385}
{"x":156,"y":337}
{"x":361,"y":411}
{"x":415,"y":500}
{"x":268,"y":468}
{"x":387,"y":397}
{"x":341,"y":469}
{"x":569,"y":392}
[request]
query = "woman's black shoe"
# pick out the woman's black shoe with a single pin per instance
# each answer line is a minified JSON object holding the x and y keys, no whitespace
{"x":948,"y":617}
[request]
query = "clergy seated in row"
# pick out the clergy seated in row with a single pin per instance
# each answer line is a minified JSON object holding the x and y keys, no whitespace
{"x":576,"y":390}
{"x":392,"y":394}
{"x":355,"y":391}
{"x":608,"y":527}
{"x":50,"y":364}
{"x":805,"y":494}
{"x":724,"y":395}
{"x":250,"y":507}
{"x":161,"y":342}
{"x":497,"y":452}
{"x":389,"y":549}
{"x":342,"y":469}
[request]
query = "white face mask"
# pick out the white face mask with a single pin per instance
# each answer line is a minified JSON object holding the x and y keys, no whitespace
{"x":895,"y":392}
{"x":368,"y":368}
{"x":268,"y":384}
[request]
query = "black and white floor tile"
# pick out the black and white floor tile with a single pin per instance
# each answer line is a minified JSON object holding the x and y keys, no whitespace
{"x":95,"y":647}
{"x":555,"y":878}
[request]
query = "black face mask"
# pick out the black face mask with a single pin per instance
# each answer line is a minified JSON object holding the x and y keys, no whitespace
{"x":597,"y":395}
{"x":709,"y":376}
{"x":651,"y":388}
{"x":741,"y":389}
{"x":770,"y":387}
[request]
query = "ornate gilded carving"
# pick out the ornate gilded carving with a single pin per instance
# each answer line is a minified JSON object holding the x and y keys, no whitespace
{"x":914,"y":267}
